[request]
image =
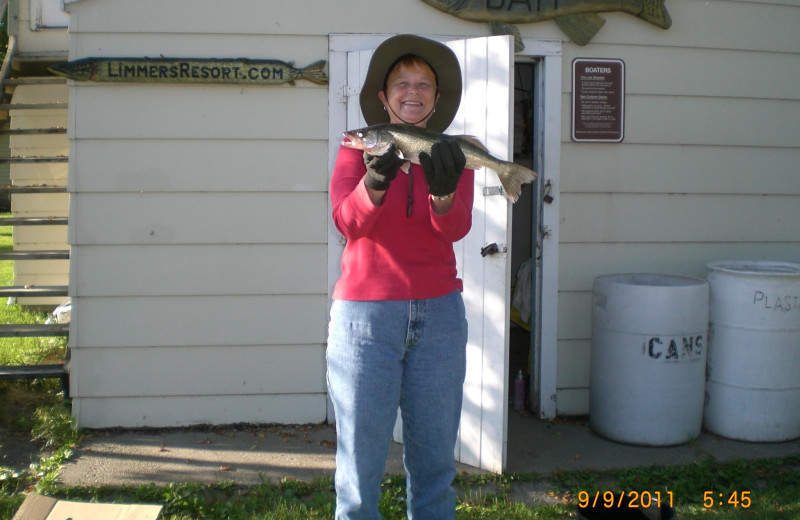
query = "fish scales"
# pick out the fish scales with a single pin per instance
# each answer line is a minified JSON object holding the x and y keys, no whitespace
{"x":411,"y":140}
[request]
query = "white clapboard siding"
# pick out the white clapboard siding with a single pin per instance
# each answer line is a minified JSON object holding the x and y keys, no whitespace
{"x":35,"y":41}
{"x":44,"y":144}
{"x":301,"y":49}
{"x":575,"y":314}
{"x":731,"y":24}
{"x":41,"y":94}
{"x":198,"y":218}
{"x":572,"y":401}
{"x":314,"y":17}
{"x":258,"y":370}
{"x":671,"y":258}
{"x":574,"y":360}
{"x":172,"y":411}
{"x":212,"y":165}
{"x":200,"y":321}
{"x":763,"y":25}
{"x":710,"y":127}
{"x":706,"y":170}
{"x":199,"y":112}
{"x":667,"y":120}
{"x":650,"y":168}
{"x":39,"y":118}
{"x":704,"y":72}
{"x":40,"y":237}
{"x":36,"y":272}
{"x":41,"y":173}
{"x":198,"y":232}
{"x":40,"y":204}
{"x":55,"y":268}
{"x":161,"y":270}
{"x":678,"y":218}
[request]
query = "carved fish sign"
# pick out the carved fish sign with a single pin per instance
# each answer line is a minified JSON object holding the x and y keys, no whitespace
{"x":190,"y":70}
{"x":577,"y":18}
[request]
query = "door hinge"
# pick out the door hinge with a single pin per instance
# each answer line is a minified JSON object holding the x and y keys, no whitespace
{"x":345,"y":92}
{"x":547,"y":195}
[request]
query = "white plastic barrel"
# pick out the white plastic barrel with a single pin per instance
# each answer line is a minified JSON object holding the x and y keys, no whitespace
{"x":648,"y":365}
{"x":753,"y":380}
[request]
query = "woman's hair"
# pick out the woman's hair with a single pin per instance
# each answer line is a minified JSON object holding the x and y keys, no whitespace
{"x":410,"y":60}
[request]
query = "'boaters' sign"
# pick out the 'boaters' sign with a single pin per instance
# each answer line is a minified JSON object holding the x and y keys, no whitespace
{"x":191,"y":70}
{"x":598,"y":100}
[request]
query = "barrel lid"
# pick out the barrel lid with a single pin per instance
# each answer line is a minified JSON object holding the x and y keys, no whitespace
{"x":755,"y":268}
{"x":650,"y":280}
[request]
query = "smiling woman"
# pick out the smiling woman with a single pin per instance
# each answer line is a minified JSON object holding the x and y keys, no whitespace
{"x":397,"y":307}
{"x":412,"y":84}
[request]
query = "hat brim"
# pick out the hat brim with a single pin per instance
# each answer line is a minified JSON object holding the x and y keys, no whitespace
{"x":439,"y":57}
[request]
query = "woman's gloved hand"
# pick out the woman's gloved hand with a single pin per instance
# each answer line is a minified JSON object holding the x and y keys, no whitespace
{"x":382,"y":169}
{"x":443,"y":167}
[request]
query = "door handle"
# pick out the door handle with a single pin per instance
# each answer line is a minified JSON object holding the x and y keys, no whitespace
{"x":493,"y":249}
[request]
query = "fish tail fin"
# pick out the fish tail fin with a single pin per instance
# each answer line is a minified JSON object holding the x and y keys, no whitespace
{"x":654,"y":12}
{"x":512,"y":177}
{"x":315,"y":73}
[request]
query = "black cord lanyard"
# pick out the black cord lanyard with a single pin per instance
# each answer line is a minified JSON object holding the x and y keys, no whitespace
{"x":410,"y":191}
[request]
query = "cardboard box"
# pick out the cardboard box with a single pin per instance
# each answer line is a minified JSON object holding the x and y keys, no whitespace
{"x":38,"y":507}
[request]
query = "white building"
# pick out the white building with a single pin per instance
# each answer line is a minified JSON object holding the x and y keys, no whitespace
{"x":202,"y":249}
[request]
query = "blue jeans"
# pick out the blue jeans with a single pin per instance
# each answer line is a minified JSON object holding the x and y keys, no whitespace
{"x":388,"y":353}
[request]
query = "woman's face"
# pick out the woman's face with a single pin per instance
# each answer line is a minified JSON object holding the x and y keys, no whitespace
{"x":410,"y":94}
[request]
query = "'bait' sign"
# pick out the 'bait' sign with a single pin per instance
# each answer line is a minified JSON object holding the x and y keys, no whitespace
{"x":577,"y":18}
{"x":190,"y":70}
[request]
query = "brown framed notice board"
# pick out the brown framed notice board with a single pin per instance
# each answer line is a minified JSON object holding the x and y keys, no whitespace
{"x":598,"y":100}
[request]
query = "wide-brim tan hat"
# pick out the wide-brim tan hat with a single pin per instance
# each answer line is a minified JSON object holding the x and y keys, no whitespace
{"x":441,"y":59}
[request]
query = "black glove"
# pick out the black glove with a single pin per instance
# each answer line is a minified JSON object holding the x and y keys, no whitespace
{"x":382,"y":169}
{"x":443,"y":167}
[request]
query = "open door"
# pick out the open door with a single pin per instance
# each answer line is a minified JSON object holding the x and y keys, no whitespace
{"x":486,"y":112}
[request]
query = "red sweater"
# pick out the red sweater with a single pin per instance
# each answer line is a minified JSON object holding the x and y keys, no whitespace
{"x":389,"y":255}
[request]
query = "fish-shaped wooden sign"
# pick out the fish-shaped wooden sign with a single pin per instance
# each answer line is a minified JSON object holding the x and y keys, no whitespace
{"x":238,"y":71}
{"x":577,"y":18}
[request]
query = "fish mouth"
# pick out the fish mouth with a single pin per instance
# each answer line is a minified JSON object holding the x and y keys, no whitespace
{"x":351,"y":139}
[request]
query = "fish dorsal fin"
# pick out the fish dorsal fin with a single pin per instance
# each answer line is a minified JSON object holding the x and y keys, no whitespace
{"x":581,"y":28}
{"x":501,"y":28}
{"x":471,"y":139}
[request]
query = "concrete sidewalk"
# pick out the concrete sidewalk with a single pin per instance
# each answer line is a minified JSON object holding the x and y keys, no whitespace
{"x":250,"y":455}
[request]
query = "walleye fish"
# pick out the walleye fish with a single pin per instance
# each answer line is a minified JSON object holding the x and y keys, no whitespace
{"x":577,"y":18}
{"x":411,"y":140}
{"x":239,"y":71}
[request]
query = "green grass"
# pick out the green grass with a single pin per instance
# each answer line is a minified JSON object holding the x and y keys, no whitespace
{"x":772,"y":484}
{"x":23,"y":351}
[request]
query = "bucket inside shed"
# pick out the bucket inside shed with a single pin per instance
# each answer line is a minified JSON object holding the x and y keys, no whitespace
{"x":753,"y":384}
{"x":648,"y":358}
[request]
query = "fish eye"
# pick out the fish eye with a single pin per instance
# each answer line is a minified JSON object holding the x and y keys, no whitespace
{"x":360,"y":134}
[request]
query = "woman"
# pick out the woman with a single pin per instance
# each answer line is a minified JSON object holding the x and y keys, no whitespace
{"x":398,"y":329}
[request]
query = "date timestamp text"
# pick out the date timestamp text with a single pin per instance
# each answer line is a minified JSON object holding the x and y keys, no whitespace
{"x":625,"y":499}
{"x":738,"y":499}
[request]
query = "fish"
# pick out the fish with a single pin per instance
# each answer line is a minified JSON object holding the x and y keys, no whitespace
{"x":411,"y":140}
{"x":577,"y":18}
{"x":239,"y":71}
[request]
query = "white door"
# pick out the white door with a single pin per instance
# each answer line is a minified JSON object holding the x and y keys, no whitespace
{"x":486,"y":112}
